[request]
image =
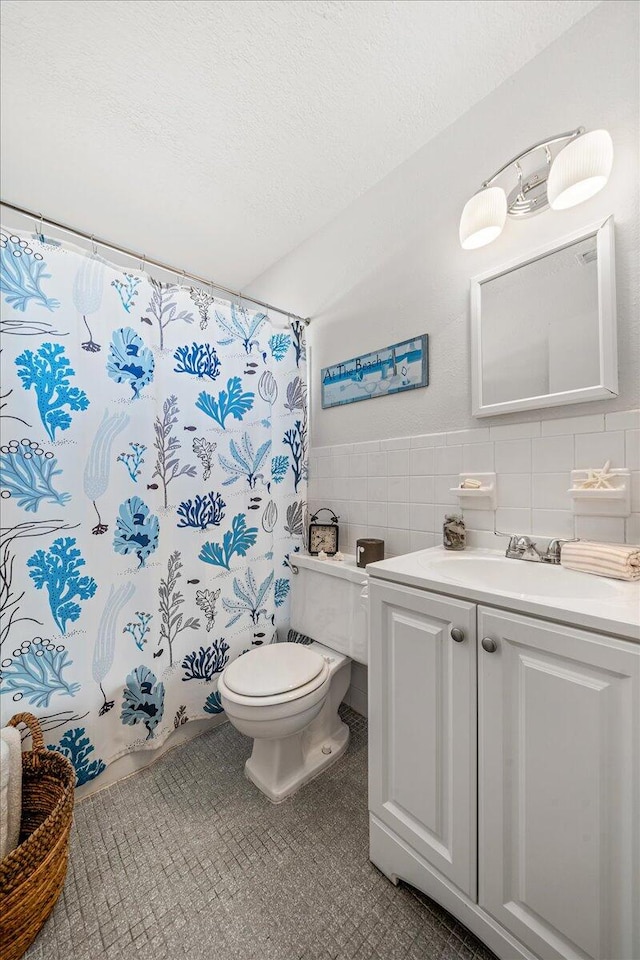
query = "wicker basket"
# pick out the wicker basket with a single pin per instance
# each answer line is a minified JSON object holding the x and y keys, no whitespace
{"x":32,"y":875}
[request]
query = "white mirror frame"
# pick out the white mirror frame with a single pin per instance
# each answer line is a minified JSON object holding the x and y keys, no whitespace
{"x":608,"y":386}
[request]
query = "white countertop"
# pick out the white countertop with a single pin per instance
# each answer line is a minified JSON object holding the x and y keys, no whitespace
{"x":345,"y":568}
{"x":543,"y":590}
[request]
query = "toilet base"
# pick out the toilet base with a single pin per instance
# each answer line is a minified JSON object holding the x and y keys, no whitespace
{"x":279,"y":768}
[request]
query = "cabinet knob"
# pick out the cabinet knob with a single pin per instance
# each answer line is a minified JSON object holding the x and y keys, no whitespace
{"x":457,"y":634}
{"x":489,"y":645}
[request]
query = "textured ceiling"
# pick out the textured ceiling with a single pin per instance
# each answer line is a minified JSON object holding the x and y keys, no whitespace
{"x":220,"y":135}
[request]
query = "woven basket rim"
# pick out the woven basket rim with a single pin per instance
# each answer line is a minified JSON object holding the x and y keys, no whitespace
{"x":65,"y":773}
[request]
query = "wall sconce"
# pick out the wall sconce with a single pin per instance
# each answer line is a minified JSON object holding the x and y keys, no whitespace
{"x":579,"y":170}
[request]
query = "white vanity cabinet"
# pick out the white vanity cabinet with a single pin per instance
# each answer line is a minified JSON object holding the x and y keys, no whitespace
{"x":559,"y":824}
{"x":422,"y":783}
{"x":504,"y":772}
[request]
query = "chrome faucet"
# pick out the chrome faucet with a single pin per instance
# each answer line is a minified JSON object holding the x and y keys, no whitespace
{"x":524,"y":548}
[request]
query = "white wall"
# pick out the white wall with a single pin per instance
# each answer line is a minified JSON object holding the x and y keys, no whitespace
{"x":390,"y":267}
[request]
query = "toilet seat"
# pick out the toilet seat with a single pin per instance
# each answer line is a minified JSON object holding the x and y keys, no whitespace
{"x":277,"y":674}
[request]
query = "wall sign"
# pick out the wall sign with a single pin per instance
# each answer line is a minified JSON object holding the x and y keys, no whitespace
{"x":402,"y":366}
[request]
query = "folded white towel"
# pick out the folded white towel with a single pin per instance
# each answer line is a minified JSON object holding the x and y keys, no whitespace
{"x":10,"y":789}
{"x":618,"y":560}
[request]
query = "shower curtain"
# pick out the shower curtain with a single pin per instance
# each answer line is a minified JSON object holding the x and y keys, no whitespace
{"x":153,"y":467}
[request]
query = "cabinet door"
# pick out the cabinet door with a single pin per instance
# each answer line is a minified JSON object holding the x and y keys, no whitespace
{"x":422,"y":725}
{"x":559,"y":763}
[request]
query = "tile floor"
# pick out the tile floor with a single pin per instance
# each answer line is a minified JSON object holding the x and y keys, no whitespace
{"x":188,"y":860}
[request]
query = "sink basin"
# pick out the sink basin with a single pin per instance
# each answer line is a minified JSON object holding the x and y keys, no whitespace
{"x":494,"y":572}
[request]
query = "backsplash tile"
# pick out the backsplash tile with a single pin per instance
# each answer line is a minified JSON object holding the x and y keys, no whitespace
{"x":400,"y":489}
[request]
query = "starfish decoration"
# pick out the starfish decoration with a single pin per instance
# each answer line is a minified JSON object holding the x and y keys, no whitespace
{"x":599,"y":479}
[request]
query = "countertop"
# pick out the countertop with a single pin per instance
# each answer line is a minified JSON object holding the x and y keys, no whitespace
{"x":617,"y":614}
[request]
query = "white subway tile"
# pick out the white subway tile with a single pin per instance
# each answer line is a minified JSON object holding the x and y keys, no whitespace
{"x":358,"y":511}
{"x":632,"y":528}
{"x":324,"y":467}
{"x":623,"y":420}
{"x":594,"y":449}
{"x":312,"y":488}
{"x":422,"y":517}
{"x":422,"y":490}
{"x":356,"y":488}
{"x":448,"y":460}
{"x":513,"y":520}
{"x":635,"y":491}
{"x":478,"y":519}
{"x":313,"y":466}
{"x":478,"y":435}
{"x":516,"y":431}
{"x":358,"y":464}
{"x":340,"y":466}
{"x":398,"y":515}
{"x":603,"y":529}
{"x":588,"y":424}
{"x":398,"y":489}
{"x":477,"y":457}
{"x":377,"y":514}
{"x":440,"y":511}
{"x":429,"y":440}
{"x":444,"y":489}
{"x":341,"y":449}
{"x":551,"y":454}
{"x":366,"y":446}
{"x":632,"y":444}
{"x":378,"y":533}
{"x":552,"y":523}
{"x":514,"y":490}
{"x":377,"y":464}
{"x":421,"y":540}
{"x":397,"y":542}
{"x":398,"y":463}
{"x":377,"y":488}
{"x":396,"y":443}
{"x":322,"y":451}
{"x":549,"y":491}
{"x":421,"y":461}
{"x":357,"y":532}
{"x":513,"y":456}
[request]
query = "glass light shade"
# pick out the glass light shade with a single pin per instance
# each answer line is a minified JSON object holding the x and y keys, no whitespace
{"x":483,"y":218}
{"x":580,"y":170}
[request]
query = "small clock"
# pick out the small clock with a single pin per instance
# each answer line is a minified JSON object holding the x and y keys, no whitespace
{"x":323,"y":536}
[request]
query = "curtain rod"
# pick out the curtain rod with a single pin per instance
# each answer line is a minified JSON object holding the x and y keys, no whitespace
{"x":142,"y":258}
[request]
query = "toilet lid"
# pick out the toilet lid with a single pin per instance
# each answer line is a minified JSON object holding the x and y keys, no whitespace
{"x":271,"y":670}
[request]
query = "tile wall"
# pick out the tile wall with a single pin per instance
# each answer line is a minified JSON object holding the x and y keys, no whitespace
{"x":399,"y":489}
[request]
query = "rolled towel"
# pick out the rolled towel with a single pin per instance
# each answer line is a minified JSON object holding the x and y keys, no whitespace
{"x":618,"y":560}
{"x":10,"y":789}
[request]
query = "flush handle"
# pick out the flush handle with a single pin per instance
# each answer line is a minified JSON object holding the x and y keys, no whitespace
{"x":457,"y":634}
{"x":489,"y":645}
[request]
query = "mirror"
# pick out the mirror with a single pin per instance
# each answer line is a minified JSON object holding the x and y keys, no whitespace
{"x":543,"y":330}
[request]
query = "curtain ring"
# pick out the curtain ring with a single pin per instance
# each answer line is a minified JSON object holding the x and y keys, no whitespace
{"x":39,"y":233}
{"x":94,"y":249}
{"x":143,"y":263}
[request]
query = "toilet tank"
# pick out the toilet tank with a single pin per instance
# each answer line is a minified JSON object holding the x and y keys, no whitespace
{"x":329,"y":604}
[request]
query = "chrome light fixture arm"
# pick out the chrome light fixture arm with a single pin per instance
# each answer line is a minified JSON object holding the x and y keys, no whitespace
{"x":548,"y":142}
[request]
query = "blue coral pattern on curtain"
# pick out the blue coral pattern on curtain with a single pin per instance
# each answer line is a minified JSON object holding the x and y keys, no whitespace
{"x":153,"y":467}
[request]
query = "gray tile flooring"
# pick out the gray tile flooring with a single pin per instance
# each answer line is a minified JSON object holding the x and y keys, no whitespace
{"x":188,"y":860}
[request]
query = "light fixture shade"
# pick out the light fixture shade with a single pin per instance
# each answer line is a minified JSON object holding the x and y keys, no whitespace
{"x":580,"y":170}
{"x":483,"y":218}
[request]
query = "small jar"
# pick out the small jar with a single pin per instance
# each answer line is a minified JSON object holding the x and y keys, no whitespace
{"x":454,"y":534}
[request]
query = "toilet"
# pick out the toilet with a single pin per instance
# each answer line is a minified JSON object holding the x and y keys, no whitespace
{"x":286,"y":695}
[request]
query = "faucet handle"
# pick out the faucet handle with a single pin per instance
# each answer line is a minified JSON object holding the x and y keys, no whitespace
{"x":554,"y":550}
